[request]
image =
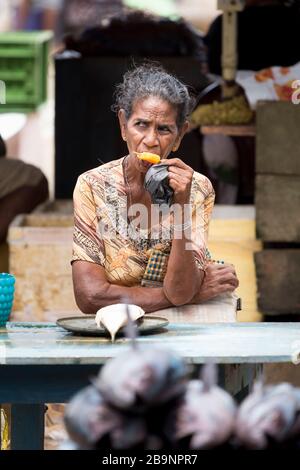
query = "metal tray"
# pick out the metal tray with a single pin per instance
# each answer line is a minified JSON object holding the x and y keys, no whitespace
{"x":86,"y":326}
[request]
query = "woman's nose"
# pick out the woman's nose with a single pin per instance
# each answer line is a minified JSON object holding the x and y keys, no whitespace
{"x":150,"y":138}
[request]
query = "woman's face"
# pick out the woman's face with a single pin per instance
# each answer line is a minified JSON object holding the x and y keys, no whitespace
{"x":151,"y":128}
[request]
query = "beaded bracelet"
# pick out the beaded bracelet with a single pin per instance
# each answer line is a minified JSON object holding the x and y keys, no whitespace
{"x":210,"y":260}
{"x":218,"y":261}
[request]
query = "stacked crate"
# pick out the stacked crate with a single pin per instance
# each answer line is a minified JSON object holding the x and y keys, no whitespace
{"x":23,"y":70}
{"x":40,"y":250}
{"x":278,"y":207}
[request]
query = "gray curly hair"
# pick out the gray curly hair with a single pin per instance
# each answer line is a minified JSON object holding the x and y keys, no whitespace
{"x":152,"y":80}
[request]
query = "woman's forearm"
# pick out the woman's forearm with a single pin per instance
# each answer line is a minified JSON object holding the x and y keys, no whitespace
{"x":148,"y":298}
{"x":93,"y":291}
{"x":183,"y":278}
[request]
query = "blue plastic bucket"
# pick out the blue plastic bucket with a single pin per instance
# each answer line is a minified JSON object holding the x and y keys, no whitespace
{"x":7,"y":290}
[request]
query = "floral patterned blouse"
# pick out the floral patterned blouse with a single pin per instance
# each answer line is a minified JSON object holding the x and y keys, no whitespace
{"x":102,"y":234}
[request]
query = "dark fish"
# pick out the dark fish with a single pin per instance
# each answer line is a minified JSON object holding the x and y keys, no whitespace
{"x":268,"y":412}
{"x":141,"y":378}
{"x":90,"y":421}
{"x":205,"y":415}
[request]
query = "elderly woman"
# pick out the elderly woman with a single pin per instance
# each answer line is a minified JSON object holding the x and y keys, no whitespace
{"x":115,"y":258}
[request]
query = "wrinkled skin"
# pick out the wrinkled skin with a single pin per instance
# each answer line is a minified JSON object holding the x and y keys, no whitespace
{"x":141,"y":378}
{"x":206,"y":414}
{"x":268,"y":412}
{"x":89,"y":419}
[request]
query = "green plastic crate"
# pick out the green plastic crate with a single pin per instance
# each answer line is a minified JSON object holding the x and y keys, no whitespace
{"x":23,"y":69}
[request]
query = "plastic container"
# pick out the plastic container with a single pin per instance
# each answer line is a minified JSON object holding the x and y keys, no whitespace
{"x":7,"y":289}
{"x":42,"y":241}
{"x":23,"y":69}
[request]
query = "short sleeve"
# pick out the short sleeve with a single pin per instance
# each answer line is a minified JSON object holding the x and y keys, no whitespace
{"x":88,"y":244}
{"x":203,"y":206}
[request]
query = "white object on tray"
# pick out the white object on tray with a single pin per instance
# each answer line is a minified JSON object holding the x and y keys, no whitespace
{"x":114,"y":317}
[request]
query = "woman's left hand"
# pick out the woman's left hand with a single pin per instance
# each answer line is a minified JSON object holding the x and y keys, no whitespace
{"x":180,"y":179}
{"x":218,"y":279}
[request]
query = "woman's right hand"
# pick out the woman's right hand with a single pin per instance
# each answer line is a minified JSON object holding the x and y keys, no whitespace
{"x":218,"y":279}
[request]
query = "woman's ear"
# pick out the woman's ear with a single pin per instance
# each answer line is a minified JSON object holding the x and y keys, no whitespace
{"x":122,"y":122}
{"x":180,"y":136}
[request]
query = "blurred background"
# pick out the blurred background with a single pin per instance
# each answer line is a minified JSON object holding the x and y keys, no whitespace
{"x":59,"y":63}
{"x":62,"y":17}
